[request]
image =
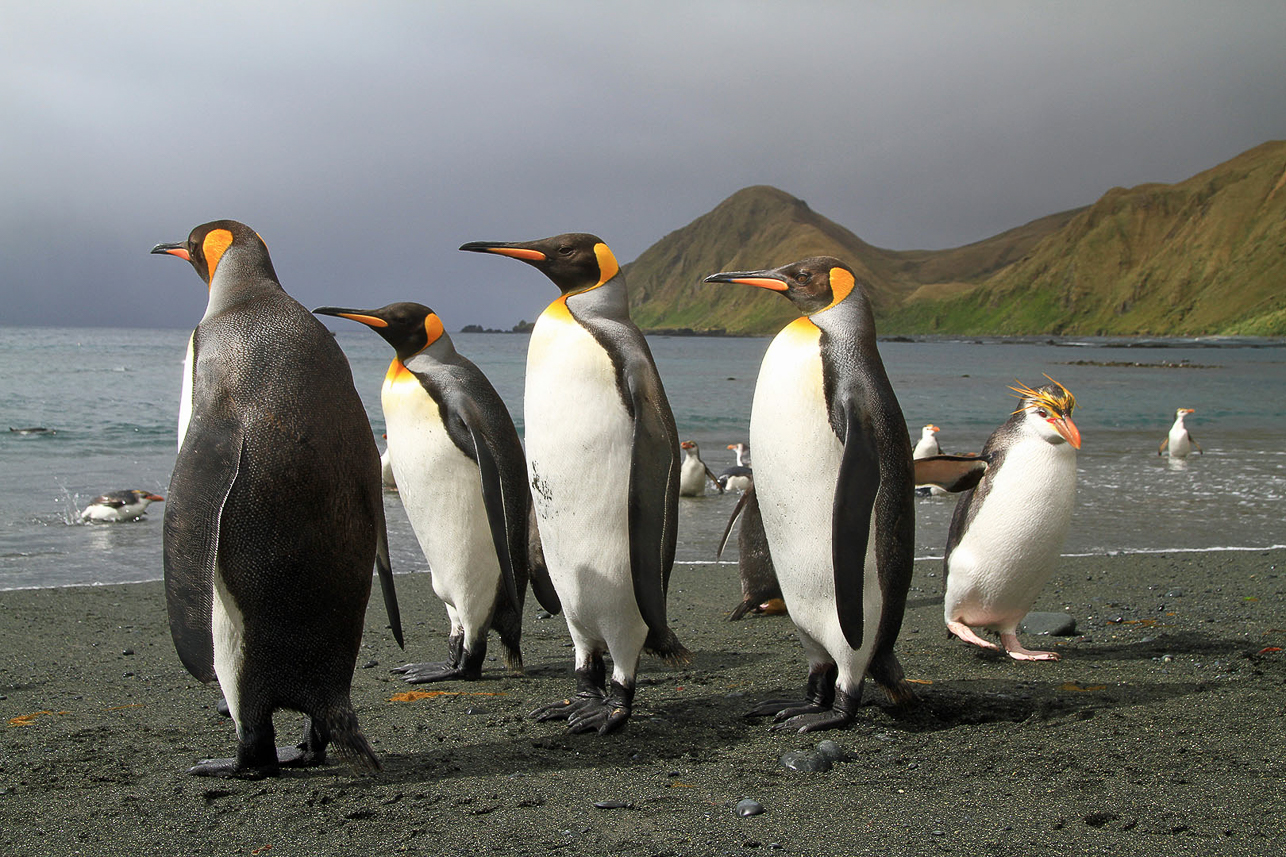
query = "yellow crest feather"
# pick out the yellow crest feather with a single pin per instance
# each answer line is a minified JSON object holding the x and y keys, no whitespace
{"x":1061,"y":401}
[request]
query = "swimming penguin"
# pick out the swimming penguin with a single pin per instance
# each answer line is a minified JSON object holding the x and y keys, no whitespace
{"x":1006,"y":533}
{"x":694,"y":472}
{"x":608,"y":531}
{"x":116,"y":506}
{"x":268,"y":598}
{"x":833,"y":476}
{"x":759,"y":584}
{"x":461,"y":474}
{"x":740,"y":476}
{"x":1179,"y":442}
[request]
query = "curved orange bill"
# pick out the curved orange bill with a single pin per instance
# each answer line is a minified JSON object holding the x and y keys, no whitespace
{"x":524,"y":253}
{"x":1067,"y":429}
{"x":180,"y":250}
{"x":750,"y":278}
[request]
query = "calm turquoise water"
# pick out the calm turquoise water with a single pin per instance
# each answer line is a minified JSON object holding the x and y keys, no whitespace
{"x":112,"y":398}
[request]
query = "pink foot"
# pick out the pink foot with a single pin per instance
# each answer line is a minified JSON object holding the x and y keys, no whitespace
{"x":966,"y":633}
{"x":1018,"y":653}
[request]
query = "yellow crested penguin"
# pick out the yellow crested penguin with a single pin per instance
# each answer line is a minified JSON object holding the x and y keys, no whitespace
{"x":1006,"y":533}
{"x":833,"y":476}
{"x":462,"y":478}
{"x":1179,"y":442}
{"x":268,"y":598}
{"x":694,"y":472}
{"x":608,"y":529}
{"x":740,"y":476}
{"x":117,"y":506}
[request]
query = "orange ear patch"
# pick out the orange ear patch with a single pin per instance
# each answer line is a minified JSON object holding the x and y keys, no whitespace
{"x":432,"y":328}
{"x":607,"y":265}
{"x":842,"y":284}
{"x":215,"y":243}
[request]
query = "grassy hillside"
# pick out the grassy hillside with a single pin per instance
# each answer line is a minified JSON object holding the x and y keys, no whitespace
{"x":1204,"y":256}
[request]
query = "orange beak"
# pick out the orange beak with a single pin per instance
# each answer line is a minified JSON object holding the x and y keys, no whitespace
{"x":1068,"y":429}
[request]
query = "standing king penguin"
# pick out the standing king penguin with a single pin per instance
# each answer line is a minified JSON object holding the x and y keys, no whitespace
{"x":274,"y":516}
{"x":603,"y":461}
{"x":460,"y":472}
{"x":833,"y":475}
{"x":1006,"y":533}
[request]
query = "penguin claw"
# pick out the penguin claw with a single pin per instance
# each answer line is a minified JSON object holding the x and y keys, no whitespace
{"x":775,"y":707}
{"x":228,"y":769}
{"x":815,"y":721}
{"x":430,"y":672}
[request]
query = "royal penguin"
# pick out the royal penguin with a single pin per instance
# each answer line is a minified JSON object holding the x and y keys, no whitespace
{"x":1179,"y":442}
{"x":264,"y":596}
{"x":116,"y":506}
{"x":1007,"y":532}
{"x":608,"y":532}
{"x":462,"y":478}
{"x":694,"y":472}
{"x":927,"y":445}
{"x":740,"y":476}
{"x":833,"y":476}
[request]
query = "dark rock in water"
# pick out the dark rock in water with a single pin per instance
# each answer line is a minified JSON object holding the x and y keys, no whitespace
{"x":1053,"y":624}
{"x":747,"y":807}
{"x":806,"y":760}
{"x":833,"y":752}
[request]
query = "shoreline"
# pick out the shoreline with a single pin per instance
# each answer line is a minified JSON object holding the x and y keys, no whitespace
{"x":1158,"y":732}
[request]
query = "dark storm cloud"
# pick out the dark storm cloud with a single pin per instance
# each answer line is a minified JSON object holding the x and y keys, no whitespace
{"x":366,"y":142}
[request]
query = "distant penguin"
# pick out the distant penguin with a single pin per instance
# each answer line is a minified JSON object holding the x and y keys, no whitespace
{"x":1006,"y":534}
{"x":33,"y":430}
{"x":116,"y":506}
{"x":1179,"y":442}
{"x":274,"y":517}
{"x":927,"y":445}
{"x":740,"y":476}
{"x":609,"y":530}
{"x":694,"y":472}
{"x":833,"y":476}
{"x":462,"y":478}
{"x":759,"y":584}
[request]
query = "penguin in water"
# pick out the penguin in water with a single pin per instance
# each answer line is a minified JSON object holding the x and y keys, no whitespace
{"x":459,"y":466}
{"x":694,"y":472}
{"x":740,"y":476}
{"x":269,"y":598}
{"x":927,"y":445}
{"x":1179,"y":442}
{"x":609,"y":531}
{"x":760,"y":591}
{"x":833,"y":475}
{"x":1006,"y":533}
{"x":117,"y":506}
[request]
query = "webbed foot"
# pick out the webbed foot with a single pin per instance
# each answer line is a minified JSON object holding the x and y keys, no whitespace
{"x":1016,"y":651}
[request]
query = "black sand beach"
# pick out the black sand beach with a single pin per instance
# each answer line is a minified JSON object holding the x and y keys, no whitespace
{"x":1160,"y":732}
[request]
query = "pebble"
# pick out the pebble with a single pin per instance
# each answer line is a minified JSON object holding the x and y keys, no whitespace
{"x":833,"y":752}
{"x":612,"y":804}
{"x":747,"y":807}
{"x":1174,"y":593}
{"x":805,"y":760}
{"x":1053,"y":624}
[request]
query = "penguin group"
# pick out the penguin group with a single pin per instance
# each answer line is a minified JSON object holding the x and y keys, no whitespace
{"x":269,"y":600}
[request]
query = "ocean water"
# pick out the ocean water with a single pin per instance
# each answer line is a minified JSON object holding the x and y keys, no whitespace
{"x":110,"y":400}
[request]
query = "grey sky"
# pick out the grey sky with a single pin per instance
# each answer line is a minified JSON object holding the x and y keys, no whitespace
{"x":367,"y":141}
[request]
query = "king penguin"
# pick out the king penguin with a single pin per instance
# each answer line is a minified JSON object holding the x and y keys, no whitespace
{"x":1006,"y":533}
{"x":834,"y":480}
{"x":608,"y":531}
{"x":462,"y":478}
{"x":1179,"y":442}
{"x":269,"y":598}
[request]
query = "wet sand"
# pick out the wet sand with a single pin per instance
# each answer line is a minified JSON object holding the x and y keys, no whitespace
{"x":1161,"y":731}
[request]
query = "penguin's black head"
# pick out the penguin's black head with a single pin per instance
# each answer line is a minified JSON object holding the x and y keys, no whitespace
{"x":407,"y":326}
{"x":209,"y":244}
{"x":812,"y":284}
{"x":575,"y":262}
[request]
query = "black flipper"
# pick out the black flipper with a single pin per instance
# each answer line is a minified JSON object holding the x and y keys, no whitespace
{"x":493,"y":498}
{"x":541,"y":584}
{"x":385,"y":567}
{"x":203,"y":476}
{"x":855,"y":490}
{"x":736,"y":513}
{"x":954,"y":473}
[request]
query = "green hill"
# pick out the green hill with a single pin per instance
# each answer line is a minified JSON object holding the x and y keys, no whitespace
{"x":1204,"y":256}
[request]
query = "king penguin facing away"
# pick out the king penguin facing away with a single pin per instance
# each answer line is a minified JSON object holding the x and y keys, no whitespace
{"x":608,"y":530}
{"x":267,"y":597}
{"x":1179,"y":442}
{"x":833,"y":476}
{"x":1006,"y":533}
{"x":460,"y":471}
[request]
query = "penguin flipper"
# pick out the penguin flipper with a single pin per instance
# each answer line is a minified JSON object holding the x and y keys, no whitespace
{"x":203,"y":476}
{"x":1192,"y":440}
{"x":715,"y":479}
{"x":954,"y":473}
{"x":493,"y":498}
{"x":1164,"y":443}
{"x":384,"y":566}
{"x":541,"y":584}
{"x":855,"y":490}
{"x":736,"y":513}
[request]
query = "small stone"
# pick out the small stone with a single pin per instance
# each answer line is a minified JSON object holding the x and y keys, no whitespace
{"x":1174,"y":593}
{"x":370,"y":664}
{"x":833,"y":752}
{"x":803,"y":760}
{"x":128,"y":652}
{"x":612,"y":804}
{"x":1052,"y":624}
{"x":747,"y":807}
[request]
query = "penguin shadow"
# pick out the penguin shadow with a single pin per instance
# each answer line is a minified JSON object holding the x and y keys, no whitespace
{"x":1160,"y":645}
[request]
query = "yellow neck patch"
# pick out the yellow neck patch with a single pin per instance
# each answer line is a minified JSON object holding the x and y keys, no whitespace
{"x":842,"y":284}
{"x":396,"y":372}
{"x":215,"y":243}
{"x":607,"y":265}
